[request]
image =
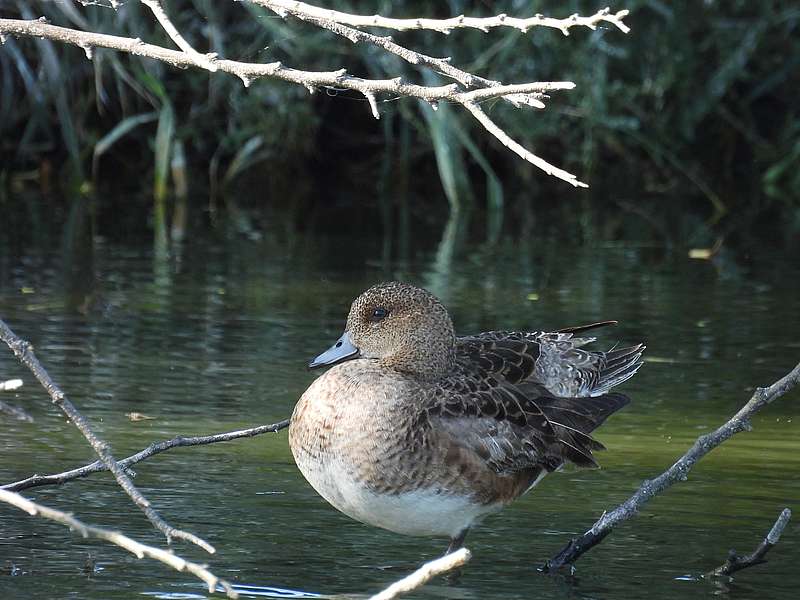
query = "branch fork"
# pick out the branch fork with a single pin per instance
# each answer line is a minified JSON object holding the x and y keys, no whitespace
{"x":463,"y":92}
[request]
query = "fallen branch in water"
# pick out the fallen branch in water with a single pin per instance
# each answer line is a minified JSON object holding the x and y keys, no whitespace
{"x":677,"y":472}
{"x":735,"y":562}
{"x":24,"y":352}
{"x":115,"y":537}
{"x":151,"y":450}
{"x":424,"y":574}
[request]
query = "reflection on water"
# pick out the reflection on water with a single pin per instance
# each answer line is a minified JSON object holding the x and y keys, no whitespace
{"x":218,"y":337}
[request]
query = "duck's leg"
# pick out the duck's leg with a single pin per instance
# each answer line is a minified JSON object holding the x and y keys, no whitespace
{"x":457,"y":542}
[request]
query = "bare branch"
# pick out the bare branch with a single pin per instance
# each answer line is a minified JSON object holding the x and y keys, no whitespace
{"x":207,"y":61}
{"x":424,"y":574}
{"x":151,"y":450}
{"x":24,"y":352}
{"x":735,"y":562}
{"x":123,"y":541}
{"x":440,"y":65}
{"x":248,"y":72}
{"x":461,"y":22}
{"x":677,"y":472}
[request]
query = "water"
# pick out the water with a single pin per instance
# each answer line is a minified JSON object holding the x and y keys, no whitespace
{"x":219,"y":338}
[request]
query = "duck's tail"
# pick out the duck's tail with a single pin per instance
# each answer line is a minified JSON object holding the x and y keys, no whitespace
{"x":584,"y":328}
{"x":617,"y":367}
{"x":573,"y":419}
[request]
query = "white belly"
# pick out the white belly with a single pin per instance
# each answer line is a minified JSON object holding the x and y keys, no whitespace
{"x":421,"y":512}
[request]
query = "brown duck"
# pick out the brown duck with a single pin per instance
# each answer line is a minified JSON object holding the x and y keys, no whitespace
{"x":424,"y":433}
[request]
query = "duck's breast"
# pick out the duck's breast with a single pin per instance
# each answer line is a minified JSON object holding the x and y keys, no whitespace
{"x":352,"y":436}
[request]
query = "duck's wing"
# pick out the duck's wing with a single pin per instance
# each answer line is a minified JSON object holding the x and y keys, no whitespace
{"x":556,"y":361}
{"x":529,"y":399}
{"x":515,"y":427}
{"x":507,"y":355}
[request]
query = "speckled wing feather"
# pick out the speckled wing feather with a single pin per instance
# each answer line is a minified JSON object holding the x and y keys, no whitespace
{"x":493,"y":419}
{"x":555,"y":361}
{"x":503,"y":399}
{"x":510,"y":356}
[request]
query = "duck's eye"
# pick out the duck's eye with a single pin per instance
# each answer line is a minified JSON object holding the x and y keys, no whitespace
{"x":379,"y":314}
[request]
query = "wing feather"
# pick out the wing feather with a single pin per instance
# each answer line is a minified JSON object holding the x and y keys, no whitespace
{"x":523,"y":400}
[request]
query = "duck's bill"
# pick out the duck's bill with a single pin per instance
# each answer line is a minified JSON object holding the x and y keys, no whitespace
{"x":342,"y":350}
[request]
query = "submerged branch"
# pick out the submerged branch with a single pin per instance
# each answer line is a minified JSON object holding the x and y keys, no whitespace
{"x":151,"y":450}
{"x":424,"y":574}
{"x":24,"y":352}
{"x":677,"y":472}
{"x":735,"y":562}
{"x":121,"y":540}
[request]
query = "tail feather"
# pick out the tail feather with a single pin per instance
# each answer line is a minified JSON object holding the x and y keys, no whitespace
{"x":583,"y":414}
{"x":582,"y":328}
{"x":620,"y":366}
{"x":573,"y":419}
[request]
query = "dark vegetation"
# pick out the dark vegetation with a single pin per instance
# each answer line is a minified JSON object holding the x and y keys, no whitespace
{"x":687,"y":129}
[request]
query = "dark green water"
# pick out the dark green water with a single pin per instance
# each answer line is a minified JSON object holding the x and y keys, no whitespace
{"x":219,"y":339}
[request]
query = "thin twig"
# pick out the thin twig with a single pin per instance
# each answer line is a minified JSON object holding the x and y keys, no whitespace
{"x":207,"y":60}
{"x":24,"y":352}
{"x":424,"y":574}
{"x":460,"y":22}
{"x":735,"y":562}
{"x":518,"y":148}
{"x":677,"y":472}
{"x":121,"y":540}
{"x":151,"y":450}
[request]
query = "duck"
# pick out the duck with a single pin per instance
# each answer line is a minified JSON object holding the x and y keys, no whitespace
{"x":415,"y":430}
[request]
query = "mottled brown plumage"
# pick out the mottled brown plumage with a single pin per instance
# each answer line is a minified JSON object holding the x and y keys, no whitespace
{"x":424,"y":433}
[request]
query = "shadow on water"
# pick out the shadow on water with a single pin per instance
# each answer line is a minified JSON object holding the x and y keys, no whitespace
{"x":214,"y":335}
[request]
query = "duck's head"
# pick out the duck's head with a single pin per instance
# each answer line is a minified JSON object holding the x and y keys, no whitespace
{"x":399,"y":325}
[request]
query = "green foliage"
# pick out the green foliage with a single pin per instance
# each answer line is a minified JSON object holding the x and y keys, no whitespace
{"x":213,"y":114}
